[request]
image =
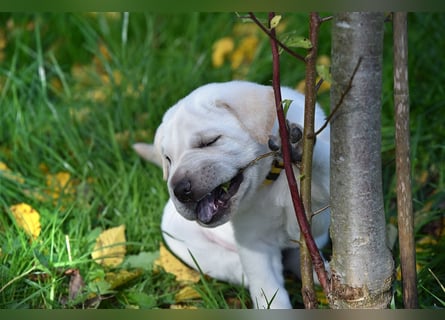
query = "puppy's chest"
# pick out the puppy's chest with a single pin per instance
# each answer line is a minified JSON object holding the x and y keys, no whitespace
{"x":267,"y":215}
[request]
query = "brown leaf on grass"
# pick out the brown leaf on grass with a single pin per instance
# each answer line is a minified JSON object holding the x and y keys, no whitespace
{"x":110,"y":247}
{"x":173,"y":265}
{"x":76,"y":283}
{"x":27,"y":218}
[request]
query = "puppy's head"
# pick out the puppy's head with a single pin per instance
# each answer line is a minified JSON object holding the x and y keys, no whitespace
{"x":207,"y":141}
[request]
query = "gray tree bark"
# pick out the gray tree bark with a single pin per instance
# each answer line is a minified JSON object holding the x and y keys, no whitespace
{"x":362,"y":265}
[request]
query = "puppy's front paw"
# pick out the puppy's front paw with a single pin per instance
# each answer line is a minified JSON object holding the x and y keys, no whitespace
{"x":295,"y":140}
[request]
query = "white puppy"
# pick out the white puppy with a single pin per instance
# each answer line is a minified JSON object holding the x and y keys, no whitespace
{"x":223,"y":209}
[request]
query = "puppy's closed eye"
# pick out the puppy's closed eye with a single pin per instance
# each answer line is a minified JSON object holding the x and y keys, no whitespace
{"x":208,"y":142}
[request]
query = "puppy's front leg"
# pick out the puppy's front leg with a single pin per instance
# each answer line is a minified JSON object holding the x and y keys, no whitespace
{"x":264,"y":271}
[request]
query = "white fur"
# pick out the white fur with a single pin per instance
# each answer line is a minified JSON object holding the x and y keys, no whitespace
{"x":244,"y":245}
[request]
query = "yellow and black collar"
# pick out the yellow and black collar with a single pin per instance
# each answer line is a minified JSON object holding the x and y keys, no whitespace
{"x":274,"y":173}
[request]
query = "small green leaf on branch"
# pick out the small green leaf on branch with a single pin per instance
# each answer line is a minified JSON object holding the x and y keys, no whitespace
{"x":324,"y":72}
{"x":292,"y":40}
{"x":286,"y":105}
{"x":275,"y":21}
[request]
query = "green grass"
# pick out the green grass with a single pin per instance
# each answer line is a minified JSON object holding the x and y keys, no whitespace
{"x":67,"y":103}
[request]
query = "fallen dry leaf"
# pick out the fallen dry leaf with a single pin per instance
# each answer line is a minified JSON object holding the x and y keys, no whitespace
{"x":117,"y":279}
{"x":76,"y":283}
{"x":3,"y":166}
{"x":27,"y":218}
{"x":110,"y":247}
{"x":245,"y":52}
{"x":187,"y":293}
{"x":184,"y":275}
{"x":59,"y":184}
{"x":171,"y":264}
{"x":221,"y":48}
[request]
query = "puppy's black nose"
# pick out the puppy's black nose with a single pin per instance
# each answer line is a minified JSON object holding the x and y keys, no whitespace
{"x":183,"y":190}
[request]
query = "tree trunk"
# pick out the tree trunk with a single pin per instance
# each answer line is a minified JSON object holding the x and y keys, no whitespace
{"x":362,"y":265}
{"x":403,"y":163}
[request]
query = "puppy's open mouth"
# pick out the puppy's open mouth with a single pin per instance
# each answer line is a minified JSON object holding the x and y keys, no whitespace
{"x":214,"y":203}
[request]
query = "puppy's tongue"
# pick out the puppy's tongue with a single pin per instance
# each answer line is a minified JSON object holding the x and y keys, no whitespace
{"x":209,"y":206}
{"x":206,"y":209}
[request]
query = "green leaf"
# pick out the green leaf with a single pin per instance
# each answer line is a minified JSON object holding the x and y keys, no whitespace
{"x":144,"y":260}
{"x":275,"y":21}
{"x":141,"y":299}
{"x":294,"y":41}
{"x":286,"y":105}
{"x":324,"y":72}
{"x":93,"y":234}
{"x":225,"y":186}
{"x":100,"y":287}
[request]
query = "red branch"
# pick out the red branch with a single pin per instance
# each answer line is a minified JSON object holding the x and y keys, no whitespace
{"x":293,"y":187}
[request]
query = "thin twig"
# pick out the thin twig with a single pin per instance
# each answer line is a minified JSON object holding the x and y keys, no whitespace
{"x":310,"y":96}
{"x":260,"y":157}
{"x":302,"y":220}
{"x":318,"y":211}
{"x":319,"y":83}
{"x":272,"y":35}
{"x":325,"y":19}
{"x":342,"y":97}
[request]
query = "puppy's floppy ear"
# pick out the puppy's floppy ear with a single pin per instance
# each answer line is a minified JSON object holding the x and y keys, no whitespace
{"x":153,"y":153}
{"x":252,"y":104}
{"x":148,"y":152}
